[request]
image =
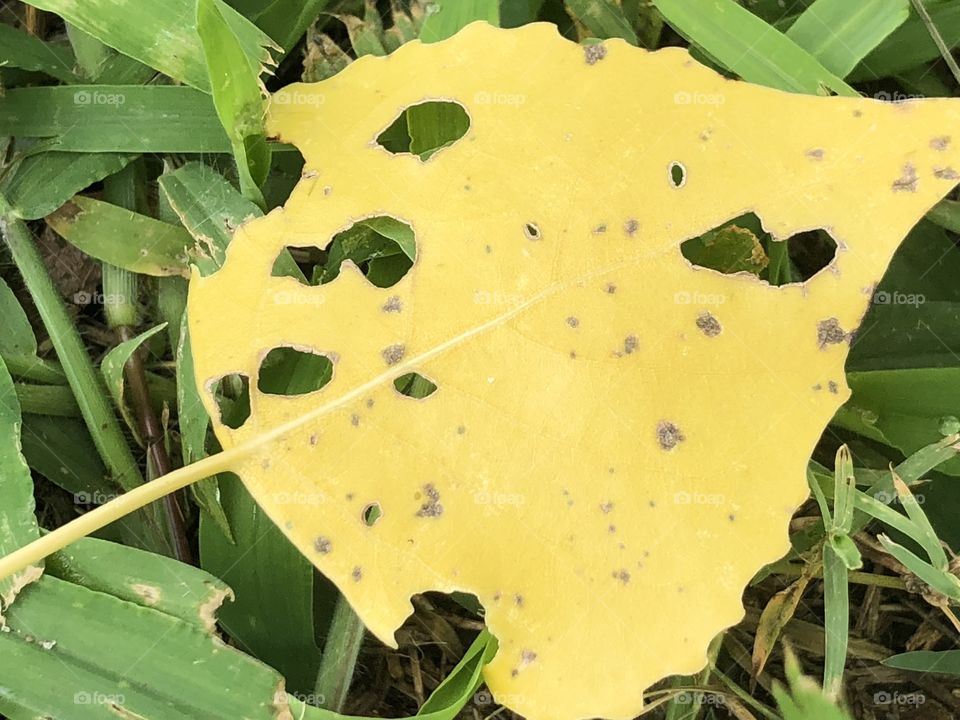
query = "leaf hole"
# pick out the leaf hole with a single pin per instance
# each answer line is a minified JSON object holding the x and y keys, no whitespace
{"x":371,"y":513}
{"x":425,"y":128}
{"x":382,"y":248}
{"x":414,"y":385}
{"x":531,"y":231}
{"x":678,"y":174}
{"x":288,"y":371}
{"x":232,"y":395}
{"x":742,"y":245}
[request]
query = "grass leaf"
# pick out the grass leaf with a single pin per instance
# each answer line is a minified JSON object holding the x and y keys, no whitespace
{"x":749,"y":47}
{"x":134,"y":30}
{"x":840,"y":34}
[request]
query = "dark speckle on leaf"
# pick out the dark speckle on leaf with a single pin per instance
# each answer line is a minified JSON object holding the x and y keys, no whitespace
{"x":833,"y":387}
{"x":631,"y":226}
{"x":431,"y":507}
{"x":573,"y":322}
{"x":907,"y":182}
{"x":322,"y":545}
{"x":669,"y":435}
{"x":815,"y":154}
{"x":393,"y":354}
{"x":940,"y":143}
{"x":355,"y":420}
{"x":611,"y":288}
{"x":594,"y":53}
{"x":630,"y":344}
{"x":357,"y":574}
{"x":829,"y":332}
{"x":393,"y":305}
{"x":708,"y":324}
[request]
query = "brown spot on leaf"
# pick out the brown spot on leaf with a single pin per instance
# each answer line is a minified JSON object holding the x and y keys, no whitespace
{"x":431,"y":507}
{"x":611,"y":288}
{"x":600,"y":229}
{"x":594,"y":53}
{"x":630,"y":344}
{"x":393,"y":305}
{"x":606,"y":507}
{"x":357,"y":574}
{"x":393,"y":354}
{"x":355,"y":420}
{"x":708,"y":325}
{"x":631,"y":226}
{"x":829,"y":332}
{"x":669,"y":435}
{"x":940,"y":143}
{"x":573,"y":322}
{"x":833,"y":387}
{"x":815,"y":154}
{"x":313,"y":439}
{"x":322,"y":545}
{"x":908,"y":181}
{"x":518,"y":600}
{"x":946,"y":173}
{"x":623,"y":575}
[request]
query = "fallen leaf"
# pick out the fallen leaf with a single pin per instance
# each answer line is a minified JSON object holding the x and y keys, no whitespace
{"x":618,"y":439}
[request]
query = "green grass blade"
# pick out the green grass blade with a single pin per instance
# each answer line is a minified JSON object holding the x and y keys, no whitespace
{"x":115,"y":118}
{"x":924,"y":533}
{"x":18,"y":525}
{"x":749,"y":47}
{"x":209,"y":207}
{"x":840,"y":34}
{"x":142,"y":578}
{"x":42,"y":183}
{"x":941,"y":581}
{"x":22,"y":50}
{"x":911,"y":45}
{"x":108,"y":657}
{"x":603,"y":18}
{"x":112,"y":368}
{"x":135,"y":28}
{"x":836,"y":619}
{"x":927,"y":661}
{"x":236,"y":88}
{"x":446,"y":17}
{"x":104,"y":231}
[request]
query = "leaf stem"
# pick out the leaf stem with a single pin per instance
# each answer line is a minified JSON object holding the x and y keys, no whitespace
{"x":117,"y":508}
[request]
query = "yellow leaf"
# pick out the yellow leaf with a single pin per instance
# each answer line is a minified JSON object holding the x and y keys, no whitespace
{"x":618,"y":439}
